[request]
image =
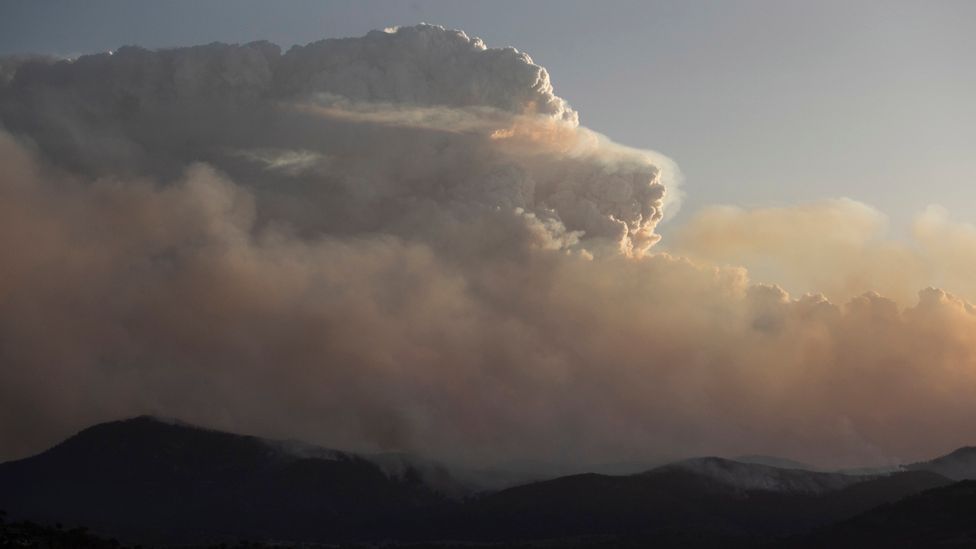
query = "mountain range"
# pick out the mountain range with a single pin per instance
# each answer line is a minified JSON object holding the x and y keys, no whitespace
{"x":151,"y":481}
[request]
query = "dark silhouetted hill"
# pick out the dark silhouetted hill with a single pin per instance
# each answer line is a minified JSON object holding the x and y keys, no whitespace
{"x":941,"y":517}
{"x":957,"y":465}
{"x":677,"y":501}
{"x":147,"y":480}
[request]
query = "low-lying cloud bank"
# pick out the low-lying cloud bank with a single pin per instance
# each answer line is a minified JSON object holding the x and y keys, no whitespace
{"x":406,"y":241}
{"x":840,"y":248}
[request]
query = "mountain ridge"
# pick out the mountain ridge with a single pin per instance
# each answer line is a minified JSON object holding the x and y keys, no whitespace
{"x":959,"y":464}
{"x":166,"y":481}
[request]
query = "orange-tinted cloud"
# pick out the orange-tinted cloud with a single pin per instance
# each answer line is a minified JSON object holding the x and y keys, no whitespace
{"x":183,"y":241}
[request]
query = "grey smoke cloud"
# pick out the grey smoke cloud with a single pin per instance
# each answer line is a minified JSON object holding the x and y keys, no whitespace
{"x":406,"y":241}
{"x":403,"y":118}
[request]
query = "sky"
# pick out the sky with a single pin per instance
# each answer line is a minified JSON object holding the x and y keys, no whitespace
{"x":761,"y":103}
{"x":415,"y":239}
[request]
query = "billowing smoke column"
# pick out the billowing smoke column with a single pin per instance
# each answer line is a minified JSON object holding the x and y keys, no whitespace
{"x":405,"y":241}
{"x":347,"y":136}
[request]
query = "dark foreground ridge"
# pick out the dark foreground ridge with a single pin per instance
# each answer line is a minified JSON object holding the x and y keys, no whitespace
{"x":938,"y":517}
{"x":158,"y":482}
{"x":150,"y":480}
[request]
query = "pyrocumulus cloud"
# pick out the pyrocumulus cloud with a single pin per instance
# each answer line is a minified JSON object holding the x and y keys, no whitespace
{"x":406,"y":241}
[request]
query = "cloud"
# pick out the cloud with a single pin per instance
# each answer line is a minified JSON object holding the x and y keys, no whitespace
{"x":419,"y":116}
{"x":841,"y":248}
{"x":405,"y":241}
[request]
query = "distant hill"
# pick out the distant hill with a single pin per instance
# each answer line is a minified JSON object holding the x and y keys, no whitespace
{"x":773,"y":461}
{"x":672,"y":502}
{"x":756,"y":476}
{"x":957,"y":465}
{"x":148,"y":480}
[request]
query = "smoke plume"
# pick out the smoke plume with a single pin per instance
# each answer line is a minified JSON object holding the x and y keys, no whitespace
{"x":406,"y":241}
